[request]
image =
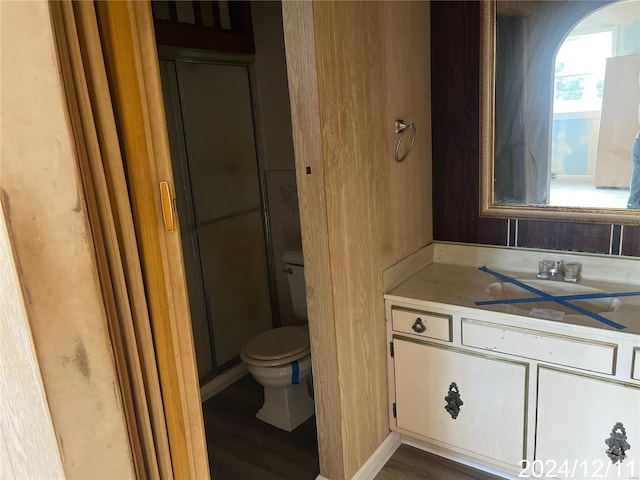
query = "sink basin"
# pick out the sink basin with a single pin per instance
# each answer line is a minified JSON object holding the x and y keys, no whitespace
{"x":510,"y":291}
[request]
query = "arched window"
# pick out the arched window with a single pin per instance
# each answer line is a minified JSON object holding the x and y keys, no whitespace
{"x":595,"y":106}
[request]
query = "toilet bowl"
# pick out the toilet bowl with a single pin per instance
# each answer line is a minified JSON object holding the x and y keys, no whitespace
{"x":279,"y":360}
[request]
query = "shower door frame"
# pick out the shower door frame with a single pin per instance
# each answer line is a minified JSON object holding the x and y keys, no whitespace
{"x":190,"y":55}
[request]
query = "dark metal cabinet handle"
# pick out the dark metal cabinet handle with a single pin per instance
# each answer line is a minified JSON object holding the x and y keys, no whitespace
{"x":454,"y":402}
{"x":617,"y":443}
{"x":418,"y":326}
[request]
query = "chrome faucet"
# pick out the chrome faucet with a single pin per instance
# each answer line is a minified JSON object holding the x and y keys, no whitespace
{"x":549,"y":269}
{"x":558,"y":270}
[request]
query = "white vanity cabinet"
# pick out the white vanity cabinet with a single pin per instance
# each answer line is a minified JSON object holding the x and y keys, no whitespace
{"x":576,"y":413}
{"x":539,"y":399}
{"x":486,"y":398}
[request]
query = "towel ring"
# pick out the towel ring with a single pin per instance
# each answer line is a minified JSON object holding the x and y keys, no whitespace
{"x":401,"y":128}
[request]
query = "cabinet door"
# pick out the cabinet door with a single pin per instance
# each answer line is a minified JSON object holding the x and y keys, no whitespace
{"x":491,"y":420}
{"x":576,"y":414}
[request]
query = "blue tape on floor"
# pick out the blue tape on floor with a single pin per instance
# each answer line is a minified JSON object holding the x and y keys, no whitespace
{"x":546,"y":297}
{"x":295,"y":373}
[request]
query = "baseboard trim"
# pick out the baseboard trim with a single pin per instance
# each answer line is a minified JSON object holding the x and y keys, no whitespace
{"x":379,"y":458}
{"x":387,"y":448}
{"x":222,"y":381}
{"x":456,"y":457}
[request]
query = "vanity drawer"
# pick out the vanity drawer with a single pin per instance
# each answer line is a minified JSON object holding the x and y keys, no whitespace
{"x":635,"y":367}
{"x":569,"y":351}
{"x":425,"y":324}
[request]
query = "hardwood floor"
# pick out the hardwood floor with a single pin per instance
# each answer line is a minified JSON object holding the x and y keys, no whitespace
{"x":242,"y":447}
{"x":409,"y":463}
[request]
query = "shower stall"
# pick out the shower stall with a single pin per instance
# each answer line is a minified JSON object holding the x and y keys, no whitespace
{"x":221,"y":202}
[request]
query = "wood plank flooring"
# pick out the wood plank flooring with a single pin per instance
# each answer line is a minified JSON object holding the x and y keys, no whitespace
{"x":409,"y":463}
{"x":242,"y":447}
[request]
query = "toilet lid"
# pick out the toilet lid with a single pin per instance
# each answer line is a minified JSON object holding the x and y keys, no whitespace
{"x":278,"y":343}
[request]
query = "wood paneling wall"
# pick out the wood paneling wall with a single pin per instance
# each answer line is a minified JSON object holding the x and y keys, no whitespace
{"x":630,"y":244}
{"x":354,"y":68}
{"x":455,"y":77}
{"x":455,"y":36}
{"x":207,"y":35}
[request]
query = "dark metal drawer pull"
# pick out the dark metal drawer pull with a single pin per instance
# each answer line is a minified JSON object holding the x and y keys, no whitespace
{"x":617,"y":443}
{"x":418,"y":326}
{"x":454,"y":402}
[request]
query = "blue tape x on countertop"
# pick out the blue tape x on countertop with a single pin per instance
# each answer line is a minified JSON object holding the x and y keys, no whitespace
{"x":560,"y":299}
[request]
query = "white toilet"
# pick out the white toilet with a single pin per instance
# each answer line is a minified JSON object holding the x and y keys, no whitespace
{"x":280,"y":360}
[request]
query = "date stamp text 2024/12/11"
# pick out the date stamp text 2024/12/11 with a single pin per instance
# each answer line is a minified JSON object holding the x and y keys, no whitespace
{"x":578,"y":469}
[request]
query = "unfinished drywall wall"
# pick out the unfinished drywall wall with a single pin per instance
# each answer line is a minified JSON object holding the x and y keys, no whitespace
{"x":45,"y":211}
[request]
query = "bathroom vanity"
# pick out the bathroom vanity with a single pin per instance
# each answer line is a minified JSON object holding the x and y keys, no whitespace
{"x":525,"y":388}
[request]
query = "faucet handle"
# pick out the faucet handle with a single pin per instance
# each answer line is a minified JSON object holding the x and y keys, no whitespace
{"x":572,"y":271}
{"x":547,"y":268}
{"x":543,"y":269}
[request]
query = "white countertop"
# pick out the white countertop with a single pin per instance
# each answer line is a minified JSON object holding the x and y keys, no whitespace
{"x":454,"y":278}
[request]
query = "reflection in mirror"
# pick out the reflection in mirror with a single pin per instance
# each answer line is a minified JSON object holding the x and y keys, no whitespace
{"x":565,"y":85}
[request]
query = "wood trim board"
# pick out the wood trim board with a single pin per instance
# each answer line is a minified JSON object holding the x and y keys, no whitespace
{"x":298,"y":25}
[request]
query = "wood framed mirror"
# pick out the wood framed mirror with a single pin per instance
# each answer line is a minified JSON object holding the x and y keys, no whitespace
{"x":559,"y":108}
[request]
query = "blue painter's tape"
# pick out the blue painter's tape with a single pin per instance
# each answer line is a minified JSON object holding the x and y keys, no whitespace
{"x":545,"y":296}
{"x":578,"y":296}
{"x":295,"y":373}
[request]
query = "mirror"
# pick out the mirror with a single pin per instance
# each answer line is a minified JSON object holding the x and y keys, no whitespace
{"x":560,"y":108}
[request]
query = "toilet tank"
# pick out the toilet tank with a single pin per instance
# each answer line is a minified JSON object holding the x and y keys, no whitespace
{"x":294,"y":267}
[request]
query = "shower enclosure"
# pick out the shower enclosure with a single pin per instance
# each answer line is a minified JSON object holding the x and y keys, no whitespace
{"x":221,"y":202}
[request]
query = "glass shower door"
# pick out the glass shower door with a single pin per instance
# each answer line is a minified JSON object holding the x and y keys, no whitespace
{"x":209,"y":108}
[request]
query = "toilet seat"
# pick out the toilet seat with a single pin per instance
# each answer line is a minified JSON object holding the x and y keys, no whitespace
{"x":276,"y":347}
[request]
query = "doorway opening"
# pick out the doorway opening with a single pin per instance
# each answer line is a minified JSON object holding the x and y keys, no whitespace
{"x":229,"y":126}
{"x":221,"y":202}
